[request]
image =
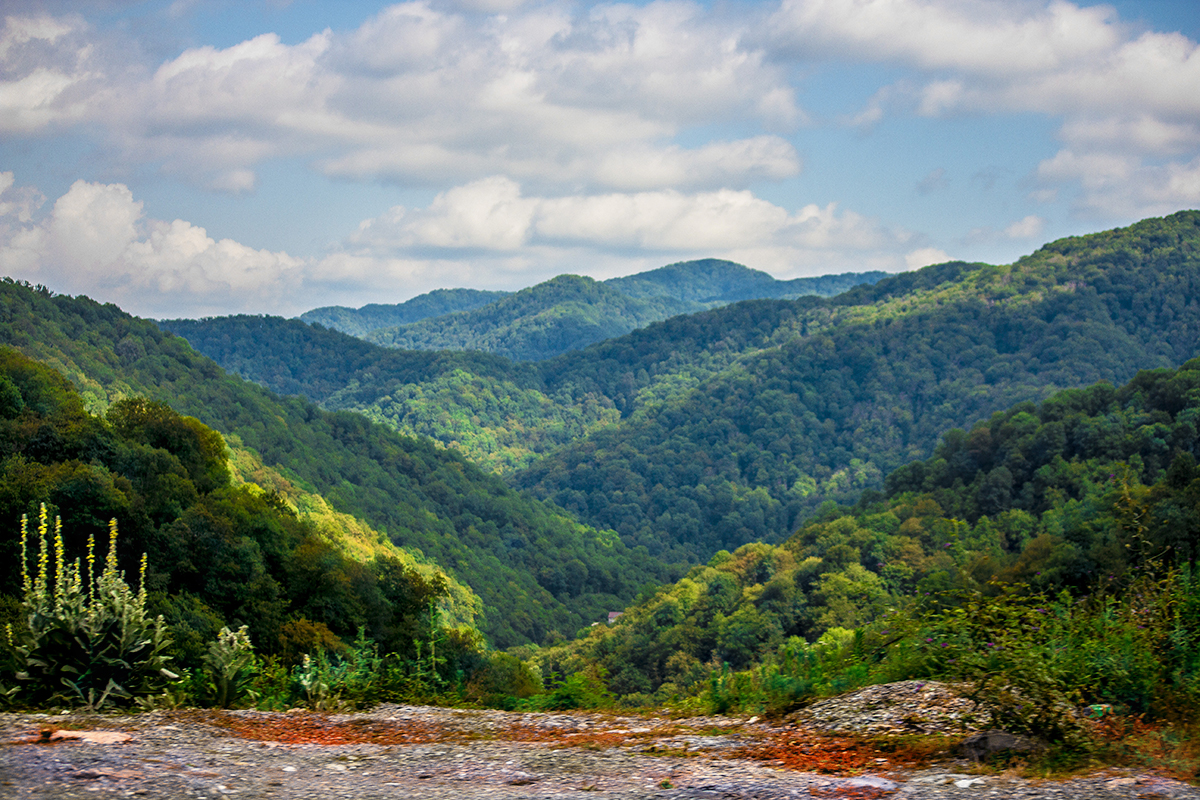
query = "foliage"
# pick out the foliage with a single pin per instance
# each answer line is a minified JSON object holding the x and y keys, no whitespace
{"x":537,"y":570}
{"x":1077,"y":587}
{"x":89,"y":639}
{"x":564,"y":313}
{"x":361,"y":321}
{"x":737,"y":423}
{"x":713,"y":282}
{"x":230,"y":664}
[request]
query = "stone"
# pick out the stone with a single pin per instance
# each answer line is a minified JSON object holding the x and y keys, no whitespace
{"x":988,"y":743}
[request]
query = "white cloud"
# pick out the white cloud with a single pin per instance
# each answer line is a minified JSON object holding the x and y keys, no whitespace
{"x":1113,"y":185}
{"x":492,"y":214}
{"x":1121,"y":94}
{"x":1029,"y":227}
{"x":976,"y":36}
{"x":547,"y":94}
{"x":96,"y":241}
{"x":924,"y":256}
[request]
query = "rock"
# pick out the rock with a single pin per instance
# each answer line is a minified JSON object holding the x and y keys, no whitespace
{"x":92,"y":737}
{"x":905,"y":707}
{"x":988,"y":743}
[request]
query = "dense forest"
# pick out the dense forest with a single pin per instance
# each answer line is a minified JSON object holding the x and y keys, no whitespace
{"x":967,"y":472}
{"x":561,"y":314}
{"x":371,"y":317}
{"x":538,"y":571}
{"x":1079,"y":513}
{"x":709,"y":430}
{"x":712,"y":282}
{"x":217,"y":553}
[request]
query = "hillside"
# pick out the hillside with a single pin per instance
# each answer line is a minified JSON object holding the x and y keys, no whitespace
{"x":219,"y":552}
{"x":1050,"y":549}
{"x":564,"y":313}
{"x":736,"y":422}
{"x":361,"y":321}
{"x":794,"y":404}
{"x":495,"y":411}
{"x":535,"y":569}
{"x":713,"y":282}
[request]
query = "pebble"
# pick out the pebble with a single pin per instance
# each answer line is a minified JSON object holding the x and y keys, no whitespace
{"x":169,"y":758}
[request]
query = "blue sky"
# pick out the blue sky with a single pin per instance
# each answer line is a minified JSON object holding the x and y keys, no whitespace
{"x":200,"y":158}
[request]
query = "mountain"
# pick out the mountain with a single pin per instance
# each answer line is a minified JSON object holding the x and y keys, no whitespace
{"x":494,"y":410}
{"x":361,"y":321}
{"x":536,"y":569}
{"x":739,"y":421}
{"x":568,"y":312}
{"x":709,"y":430}
{"x":712,"y":282}
{"x":561,"y":314}
{"x":1060,"y":534}
{"x":225,"y":540}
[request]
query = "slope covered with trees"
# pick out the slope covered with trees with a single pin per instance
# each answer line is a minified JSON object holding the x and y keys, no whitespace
{"x":712,"y":282}
{"x":371,"y":317}
{"x":1076,"y":516}
{"x":564,"y":313}
{"x":818,"y":399}
{"x":736,"y":422}
{"x":567,"y":312}
{"x":218,"y":553}
{"x":495,"y":411}
{"x":536,"y":570}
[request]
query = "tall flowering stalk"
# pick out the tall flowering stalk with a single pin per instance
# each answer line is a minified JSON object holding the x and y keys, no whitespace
{"x":89,"y":642}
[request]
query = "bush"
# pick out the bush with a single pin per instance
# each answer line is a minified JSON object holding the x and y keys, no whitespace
{"x":88,"y":641}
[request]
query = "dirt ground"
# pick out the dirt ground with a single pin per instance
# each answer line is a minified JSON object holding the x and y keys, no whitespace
{"x":444,"y":754}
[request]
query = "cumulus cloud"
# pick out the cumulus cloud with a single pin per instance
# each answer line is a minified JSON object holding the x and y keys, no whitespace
{"x":493,"y":214}
{"x":419,"y":93}
{"x":1121,"y":94}
{"x":1116,"y":185}
{"x":1029,"y":227}
{"x":924,"y":256}
{"x":97,"y":241}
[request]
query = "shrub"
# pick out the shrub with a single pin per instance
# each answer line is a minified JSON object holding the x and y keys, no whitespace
{"x":231,"y":666}
{"x":89,"y":639}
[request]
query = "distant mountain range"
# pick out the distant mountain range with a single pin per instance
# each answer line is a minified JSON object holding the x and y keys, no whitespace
{"x":568,"y":312}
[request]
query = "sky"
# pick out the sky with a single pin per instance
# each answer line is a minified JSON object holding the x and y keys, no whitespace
{"x":190,"y":158}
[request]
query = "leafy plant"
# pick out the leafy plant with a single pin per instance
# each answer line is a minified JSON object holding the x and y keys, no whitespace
{"x":89,"y":638}
{"x":231,"y":666}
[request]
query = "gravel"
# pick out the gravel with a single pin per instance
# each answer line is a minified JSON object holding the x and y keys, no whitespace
{"x":442,"y":754}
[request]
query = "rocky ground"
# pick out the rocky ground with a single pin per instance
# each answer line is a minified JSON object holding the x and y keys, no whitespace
{"x":444,"y":754}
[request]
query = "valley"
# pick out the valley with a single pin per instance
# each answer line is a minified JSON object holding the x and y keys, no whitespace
{"x":934,"y":474}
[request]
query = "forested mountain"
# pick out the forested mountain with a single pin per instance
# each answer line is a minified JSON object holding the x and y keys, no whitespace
{"x":494,"y":410}
{"x":823,"y":397}
{"x":736,"y":422}
{"x":361,"y":321}
{"x":218,"y":552}
{"x":535,"y":569}
{"x":712,"y":282}
{"x":565,"y":313}
{"x":1067,"y":527}
{"x":561,"y":314}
